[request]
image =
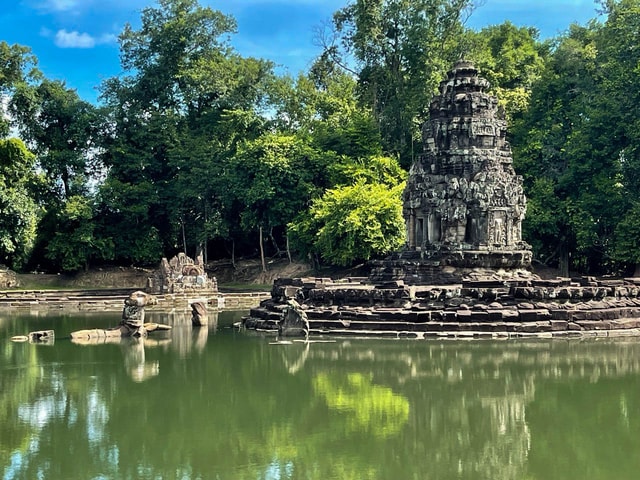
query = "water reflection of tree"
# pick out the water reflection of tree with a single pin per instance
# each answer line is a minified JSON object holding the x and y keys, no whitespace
{"x":48,"y":403}
{"x":470,"y":402}
{"x":369,"y":408}
{"x":608,"y":408}
{"x":15,"y":434}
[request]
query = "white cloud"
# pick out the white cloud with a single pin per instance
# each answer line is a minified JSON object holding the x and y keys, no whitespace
{"x":75,"y":39}
{"x":60,"y":5}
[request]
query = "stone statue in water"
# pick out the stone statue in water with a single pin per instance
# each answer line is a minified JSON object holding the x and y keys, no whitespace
{"x":132,"y":323}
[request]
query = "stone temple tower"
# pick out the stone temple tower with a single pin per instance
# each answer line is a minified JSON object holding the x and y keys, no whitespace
{"x":463,"y":203}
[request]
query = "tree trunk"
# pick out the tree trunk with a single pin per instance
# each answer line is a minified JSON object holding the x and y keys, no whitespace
{"x":288,"y":250}
{"x":563,"y":261}
{"x":184,"y":238}
{"x":264,"y":264}
{"x":206,"y":237}
{"x":233,"y":253}
{"x":273,"y":241}
{"x":636,"y":274}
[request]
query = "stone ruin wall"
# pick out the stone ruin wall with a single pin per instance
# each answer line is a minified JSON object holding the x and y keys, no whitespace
{"x":181,"y":275}
{"x":8,"y":278}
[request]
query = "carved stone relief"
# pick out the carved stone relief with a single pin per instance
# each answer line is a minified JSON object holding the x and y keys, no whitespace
{"x":463,"y":193}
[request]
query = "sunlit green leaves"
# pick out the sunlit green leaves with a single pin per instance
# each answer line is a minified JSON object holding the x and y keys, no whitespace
{"x":354,"y":223}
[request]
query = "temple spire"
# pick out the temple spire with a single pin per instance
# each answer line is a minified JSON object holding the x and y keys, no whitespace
{"x":462,"y":192}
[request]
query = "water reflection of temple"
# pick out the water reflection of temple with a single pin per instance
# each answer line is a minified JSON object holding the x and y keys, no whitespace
{"x":470,"y":403}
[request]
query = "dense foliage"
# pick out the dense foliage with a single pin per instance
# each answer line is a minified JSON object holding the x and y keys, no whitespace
{"x":197,"y":147}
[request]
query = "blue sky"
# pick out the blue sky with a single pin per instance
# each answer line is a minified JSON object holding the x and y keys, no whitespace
{"x":76,"y":40}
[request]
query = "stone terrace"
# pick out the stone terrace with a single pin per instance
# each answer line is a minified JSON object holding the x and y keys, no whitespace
{"x":481,"y":309}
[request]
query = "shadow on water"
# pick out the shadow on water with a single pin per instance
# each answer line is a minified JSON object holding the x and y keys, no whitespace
{"x":214,"y":402}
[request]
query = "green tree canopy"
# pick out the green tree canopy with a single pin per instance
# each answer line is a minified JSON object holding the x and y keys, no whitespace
{"x":512,"y":59}
{"x":75,"y":245}
{"x":175,"y":116}
{"x":359,"y":218}
{"x":17,"y":66}
{"x":353,"y":223}
{"x":61,"y":129}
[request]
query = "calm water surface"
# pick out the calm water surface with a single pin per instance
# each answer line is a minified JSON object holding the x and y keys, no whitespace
{"x":215,"y":403}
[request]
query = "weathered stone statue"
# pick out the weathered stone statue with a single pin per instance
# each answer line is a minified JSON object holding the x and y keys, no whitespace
{"x":199,"y":314}
{"x":132,"y":323}
{"x":463,"y":203}
{"x":294,"y":321}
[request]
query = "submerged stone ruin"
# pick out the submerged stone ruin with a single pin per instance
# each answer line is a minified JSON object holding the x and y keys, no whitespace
{"x":464,"y":271}
{"x":132,"y":323}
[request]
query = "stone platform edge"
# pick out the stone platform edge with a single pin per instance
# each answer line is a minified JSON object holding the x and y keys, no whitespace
{"x":113,"y":300}
{"x":487,"y":308}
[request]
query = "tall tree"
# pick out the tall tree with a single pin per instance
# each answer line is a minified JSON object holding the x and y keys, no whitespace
{"x":60,"y":128}
{"x":549,"y":142}
{"x":273,"y":178}
{"x":399,"y":50}
{"x":181,"y":80}
{"x":619,"y":110}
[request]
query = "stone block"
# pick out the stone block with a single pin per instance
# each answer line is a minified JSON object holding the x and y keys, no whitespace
{"x":393,"y":284}
{"x":534,"y":315}
{"x":449,"y":316}
{"x":510,"y":316}
{"x":533,"y":327}
{"x":479,"y":316}
{"x":488,"y":283}
{"x":595,"y":325}
{"x":558,"y":314}
{"x":577,"y":315}
{"x":450,"y":327}
{"x":626,"y":323}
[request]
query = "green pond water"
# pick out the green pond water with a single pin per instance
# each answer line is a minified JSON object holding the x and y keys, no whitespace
{"x":217,"y":403}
